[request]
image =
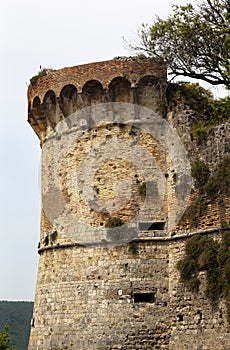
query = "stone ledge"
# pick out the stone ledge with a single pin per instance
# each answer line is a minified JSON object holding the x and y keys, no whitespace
{"x":138,"y":240}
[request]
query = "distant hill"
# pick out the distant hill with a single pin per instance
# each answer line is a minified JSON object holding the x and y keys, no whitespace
{"x":17,"y":314}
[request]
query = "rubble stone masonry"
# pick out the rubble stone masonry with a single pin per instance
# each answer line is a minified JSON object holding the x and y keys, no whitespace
{"x":105,"y":293}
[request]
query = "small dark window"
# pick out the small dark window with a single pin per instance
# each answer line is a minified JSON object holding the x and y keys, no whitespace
{"x":144,"y":297}
{"x":151,"y":226}
{"x":180,"y":317}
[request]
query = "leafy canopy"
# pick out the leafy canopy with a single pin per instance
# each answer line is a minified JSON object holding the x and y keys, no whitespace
{"x":5,"y":339}
{"x":193,"y":41}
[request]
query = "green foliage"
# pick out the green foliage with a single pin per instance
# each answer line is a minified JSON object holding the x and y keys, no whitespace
{"x":133,"y":247}
{"x":117,"y":231}
{"x":35,"y":78}
{"x":200,"y":172}
{"x":214,"y":287}
{"x":17,"y":315}
{"x":194,"y":95}
{"x":220,"y":109}
{"x":210,"y":111}
{"x":196,"y":210}
{"x":187,"y":268}
{"x":5,"y":339}
{"x":226,"y":274}
{"x":192,"y":41}
{"x":213,"y":189}
{"x":219,"y":182}
{"x":203,"y":253}
{"x":200,"y":131}
{"x":114,"y":222}
{"x":132,"y":131}
{"x":216,"y":112}
{"x":194,"y":284}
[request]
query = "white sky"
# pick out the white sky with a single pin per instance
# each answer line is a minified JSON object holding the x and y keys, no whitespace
{"x":53,"y":34}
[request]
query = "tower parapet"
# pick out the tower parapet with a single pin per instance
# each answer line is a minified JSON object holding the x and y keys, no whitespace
{"x":113,"y":80}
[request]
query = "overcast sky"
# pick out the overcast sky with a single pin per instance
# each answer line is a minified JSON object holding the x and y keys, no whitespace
{"x":53,"y":34}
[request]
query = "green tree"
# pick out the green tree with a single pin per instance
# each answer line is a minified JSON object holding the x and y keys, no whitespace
{"x":194,"y":41}
{"x":5,"y":339}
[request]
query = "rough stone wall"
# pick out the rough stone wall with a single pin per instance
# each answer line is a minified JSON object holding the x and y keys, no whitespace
{"x":86,"y":300}
{"x":126,"y":296}
{"x":212,"y":151}
{"x":91,"y":305}
{"x":195,"y":323}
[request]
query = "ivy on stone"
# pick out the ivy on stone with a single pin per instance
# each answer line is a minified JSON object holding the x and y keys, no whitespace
{"x":202,"y":253}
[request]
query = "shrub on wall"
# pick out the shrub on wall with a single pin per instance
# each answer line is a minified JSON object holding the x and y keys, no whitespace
{"x":202,"y":253}
{"x":200,"y":172}
{"x":34,"y":79}
{"x":219,"y":182}
{"x":210,"y":110}
{"x":118,"y":231}
{"x":212,"y":188}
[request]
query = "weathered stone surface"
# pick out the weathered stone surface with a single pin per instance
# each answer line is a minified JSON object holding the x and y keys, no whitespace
{"x":94,"y":292}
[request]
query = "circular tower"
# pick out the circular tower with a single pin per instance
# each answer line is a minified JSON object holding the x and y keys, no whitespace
{"x":113,"y":186}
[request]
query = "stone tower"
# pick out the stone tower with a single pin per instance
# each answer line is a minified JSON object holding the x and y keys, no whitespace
{"x":115,"y":183}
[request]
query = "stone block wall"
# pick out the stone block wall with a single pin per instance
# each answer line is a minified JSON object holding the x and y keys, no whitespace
{"x":195,"y":322}
{"x":103,"y":294}
{"x":87,"y":298}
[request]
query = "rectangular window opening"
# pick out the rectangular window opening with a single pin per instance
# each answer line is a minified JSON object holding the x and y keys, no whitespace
{"x":151,"y":226}
{"x":144,"y":297}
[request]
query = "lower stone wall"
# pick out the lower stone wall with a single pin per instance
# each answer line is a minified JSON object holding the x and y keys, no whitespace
{"x":86,"y":298}
{"x":125,"y":297}
{"x":195,"y":323}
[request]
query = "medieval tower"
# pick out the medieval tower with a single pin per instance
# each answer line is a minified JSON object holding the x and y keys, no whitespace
{"x":116,"y":186}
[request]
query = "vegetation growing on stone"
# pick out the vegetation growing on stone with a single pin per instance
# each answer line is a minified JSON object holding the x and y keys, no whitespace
{"x":200,"y":131}
{"x":118,"y":231}
{"x":114,"y":222}
{"x":200,"y":172}
{"x":40,"y":74}
{"x":210,"y":111}
{"x":219,"y":183}
{"x":211,"y":188}
{"x":133,"y":248}
{"x":202,"y":253}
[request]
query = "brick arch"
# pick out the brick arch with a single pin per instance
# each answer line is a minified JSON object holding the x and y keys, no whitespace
{"x":113,"y":73}
{"x":120,"y":89}
{"x":119,"y":81}
{"x":36,"y":102}
{"x":92,"y":87}
{"x":49,"y":97}
{"x":68,"y":99}
{"x":68,"y":91}
{"x":149,"y":92}
{"x":148,"y":80}
{"x":92,"y":92}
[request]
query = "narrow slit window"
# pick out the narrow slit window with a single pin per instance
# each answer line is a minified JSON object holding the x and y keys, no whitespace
{"x":151,"y":226}
{"x":144,"y":297}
